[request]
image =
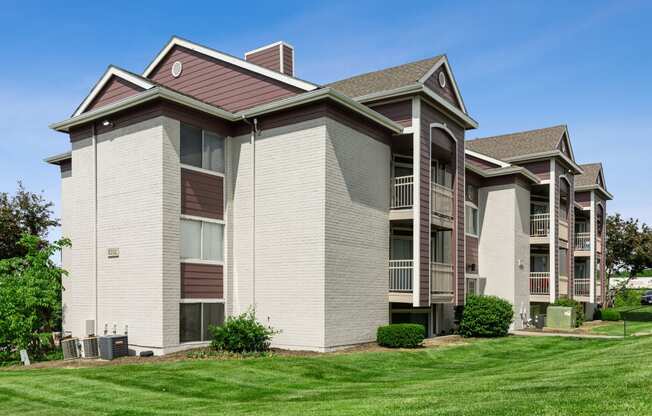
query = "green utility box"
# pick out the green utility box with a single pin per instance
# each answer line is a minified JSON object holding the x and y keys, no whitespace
{"x":560,"y":317}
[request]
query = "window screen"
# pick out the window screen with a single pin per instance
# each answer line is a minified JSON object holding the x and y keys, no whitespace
{"x":190,"y":322}
{"x":190,"y":239}
{"x":213,"y":316}
{"x":213,"y":158}
{"x":213,"y":239}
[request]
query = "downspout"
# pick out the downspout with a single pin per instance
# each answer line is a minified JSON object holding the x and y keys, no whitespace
{"x":254,"y":131}
{"x":95,"y":259}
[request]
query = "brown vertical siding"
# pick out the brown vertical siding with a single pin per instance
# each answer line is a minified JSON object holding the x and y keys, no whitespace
{"x":288,"y":60}
{"x":269,"y":58}
{"x":219,"y":83}
{"x":202,"y":281}
{"x":114,"y":90}
{"x":447,"y":93}
{"x":202,"y":194}
{"x":430,"y":115}
{"x":472,"y":263}
{"x":399,"y":111}
{"x":541,"y":168}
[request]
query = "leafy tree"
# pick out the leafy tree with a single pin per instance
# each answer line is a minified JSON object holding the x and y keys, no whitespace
{"x":628,"y":249}
{"x":629,"y":246}
{"x":30,"y":296}
{"x":23,"y":213}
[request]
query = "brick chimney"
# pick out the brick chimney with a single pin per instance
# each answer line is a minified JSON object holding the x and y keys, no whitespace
{"x":278,"y":56}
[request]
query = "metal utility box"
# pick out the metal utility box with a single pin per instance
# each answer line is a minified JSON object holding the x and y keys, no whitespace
{"x":539,"y":321}
{"x":113,"y":346}
{"x":560,"y":317}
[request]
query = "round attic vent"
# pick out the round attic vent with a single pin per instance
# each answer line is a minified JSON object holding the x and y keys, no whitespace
{"x":442,"y":79}
{"x":177,"y":67}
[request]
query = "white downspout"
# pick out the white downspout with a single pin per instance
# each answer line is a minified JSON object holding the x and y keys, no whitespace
{"x":95,"y":258}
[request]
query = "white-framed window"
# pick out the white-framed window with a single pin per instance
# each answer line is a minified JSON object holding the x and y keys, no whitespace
{"x":196,"y":319}
{"x":539,"y":262}
{"x":441,"y":174}
{"x":202,"y":240}
{"x":440,"y":246}
{"x":471,"y":220}
{"x":201,"y":148}
{"x":563,"y":262}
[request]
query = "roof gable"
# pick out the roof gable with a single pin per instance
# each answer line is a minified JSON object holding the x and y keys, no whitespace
{"x":449,"y":91}
{"x":218,"y":82}
{"x":565,"y":147}
{"x":593,"y":174}
{"x":227,"y":59}
{"x":114,"y":85}
{"x":519,"y":144}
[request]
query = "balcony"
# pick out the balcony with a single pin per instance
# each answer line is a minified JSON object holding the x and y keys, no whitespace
{"x":582,"y":287}
{"x":400,"y":281}
{"x":539,"y":225}
{"x":400,"y":275}
{"x":441,"y":278}
{"x":582,"y":241}
{"x":402,"y":198}
{"x":540,"y":283}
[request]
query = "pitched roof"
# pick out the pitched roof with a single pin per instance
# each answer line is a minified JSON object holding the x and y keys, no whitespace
{"x":590,"y":175}
{"x":518,"y":144}
{"x":385,"y":79}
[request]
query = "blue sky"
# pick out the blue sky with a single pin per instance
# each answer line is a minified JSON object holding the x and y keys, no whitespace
{"x":519,"y":65}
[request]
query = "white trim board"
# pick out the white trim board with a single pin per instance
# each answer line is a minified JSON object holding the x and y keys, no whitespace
{"x":262,"y":48}
{"x":487,"y":158}
{"x":111,"y":71}
{"x":175,"y":41}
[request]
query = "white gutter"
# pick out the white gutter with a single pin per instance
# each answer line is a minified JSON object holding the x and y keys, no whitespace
{"x":162,"y":92}
{"x":546,"y":155}
{"x":486,"y":158}
{"x":56,"y":159}
{"x":510,"y":170}
{"x":596,"y":188}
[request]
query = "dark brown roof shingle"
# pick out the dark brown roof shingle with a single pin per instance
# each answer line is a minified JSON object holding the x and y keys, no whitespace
{"x":590,"y":175}
{"x":385,"y":79}
{"x":518,"y":144}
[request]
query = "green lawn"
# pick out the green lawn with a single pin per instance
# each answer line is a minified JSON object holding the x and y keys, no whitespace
{"x":513,"y":376}
{"x":616,"y":328}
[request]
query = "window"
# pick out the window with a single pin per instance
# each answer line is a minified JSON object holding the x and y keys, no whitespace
{"x":539,"y":263}
{"x":202,"y":240}
{"x":440,"y":246}
{"x":563,"y":262}
{"x":440,"y":174}
{"x":471,"y":220}
{"x":401,"y":248}
{"x":195,"y":320}
{"x":471,"y":193}
{"x":201,"y":149}
{"x":564,"y":199}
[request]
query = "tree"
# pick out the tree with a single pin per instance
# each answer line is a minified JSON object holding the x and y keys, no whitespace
{"x":628,"y":248}
{"x":23,"y":213}
{"x":30,"y":296}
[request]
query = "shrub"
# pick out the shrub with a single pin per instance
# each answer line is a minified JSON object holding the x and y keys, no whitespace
{"x":571,"y":303}
{"x":242,"y":334}
{"x":628,"y":297}
{"x":401,"y":335}
{"x":610,"y":314}
{"x":486,"y":316}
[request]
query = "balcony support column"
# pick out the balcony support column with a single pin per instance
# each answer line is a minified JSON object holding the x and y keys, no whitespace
{"x":553,"y":230}
{"x":593,"y":249}
{"x":416,"y":199}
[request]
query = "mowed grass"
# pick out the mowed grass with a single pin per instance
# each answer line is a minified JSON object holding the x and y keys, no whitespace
{"x":617,"y":328}
{"x":511,"y":376}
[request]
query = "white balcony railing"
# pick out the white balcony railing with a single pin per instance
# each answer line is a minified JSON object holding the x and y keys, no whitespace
{"x":442,"y":200}
{"x":582,"y":287}
{"x":583,"y":241}
{"x":400,"y":275}
{"x":442,"y":278}
{"x":402,"y":192}
{"x":539,"y":225}
{"x":539,"y":283}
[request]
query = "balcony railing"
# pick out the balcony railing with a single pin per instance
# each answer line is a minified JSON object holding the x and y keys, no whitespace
{"x":400,"y":275}
{"x":539,"y":225}
{"x":582,"y":287}
{"x":402,"y":192}
{"x":403,"y":196}
{"x":583,"y":241}
{"x":442,"y":278}
{"x":539,"y":283}
{"x":442,"y":200}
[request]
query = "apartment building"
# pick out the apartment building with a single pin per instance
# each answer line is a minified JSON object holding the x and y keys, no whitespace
{"x":553,"y":214}
{"x":208,"y":184}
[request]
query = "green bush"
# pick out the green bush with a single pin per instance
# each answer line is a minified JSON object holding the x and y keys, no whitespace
{"x":610,"y":314}
{"x":242,"y":334}
{"x":628,"y":297}
{"x":571,"y":303}
{"x":486,"y":316}
{"x":401,"y":335}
